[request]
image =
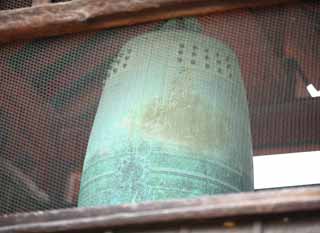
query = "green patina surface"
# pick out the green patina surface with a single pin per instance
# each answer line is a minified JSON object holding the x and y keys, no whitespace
{"x":172,"y":122}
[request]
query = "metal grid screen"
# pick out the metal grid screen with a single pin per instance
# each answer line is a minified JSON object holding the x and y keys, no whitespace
{"x":50,"y":89}
{"x":8,"y":5}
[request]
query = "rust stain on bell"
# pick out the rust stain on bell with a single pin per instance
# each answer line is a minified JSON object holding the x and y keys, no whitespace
{"x":172,"y":122}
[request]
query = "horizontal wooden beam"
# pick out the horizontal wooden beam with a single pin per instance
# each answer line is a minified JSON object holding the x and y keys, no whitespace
{"x":82,"y":15}
{"x":267,"y":203}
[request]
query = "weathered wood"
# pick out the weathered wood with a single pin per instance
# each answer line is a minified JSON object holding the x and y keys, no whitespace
{"x":83,"y":15}
{"x":230,"y":206}
{"x":39,"y":2}
{"x":278,"y":225}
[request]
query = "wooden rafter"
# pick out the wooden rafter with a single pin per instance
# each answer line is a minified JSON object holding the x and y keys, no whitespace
{"x":43,"y":20}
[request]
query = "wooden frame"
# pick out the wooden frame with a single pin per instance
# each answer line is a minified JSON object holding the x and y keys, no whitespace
{"x":252,"y":210}
{"x":44,"y":19}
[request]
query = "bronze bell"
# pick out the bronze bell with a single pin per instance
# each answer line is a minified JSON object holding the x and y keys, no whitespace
{"x":172,"y":122}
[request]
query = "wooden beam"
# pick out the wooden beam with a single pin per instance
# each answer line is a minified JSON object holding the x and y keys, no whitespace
{"x":229,"y":206}
{"x":83,"y":15}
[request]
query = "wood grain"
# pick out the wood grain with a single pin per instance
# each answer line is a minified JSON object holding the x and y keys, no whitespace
{"x":82,"y":15}
{"x":231,"y":206}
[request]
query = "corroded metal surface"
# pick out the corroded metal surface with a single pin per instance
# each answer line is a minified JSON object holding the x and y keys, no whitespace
{"x":173,"y":122}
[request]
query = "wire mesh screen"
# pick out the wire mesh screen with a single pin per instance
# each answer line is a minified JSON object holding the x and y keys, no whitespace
{"x":9,"y":5}
{"x":50,"y":90}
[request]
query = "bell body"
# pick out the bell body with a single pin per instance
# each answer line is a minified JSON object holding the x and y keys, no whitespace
{"x":172,"y":123}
